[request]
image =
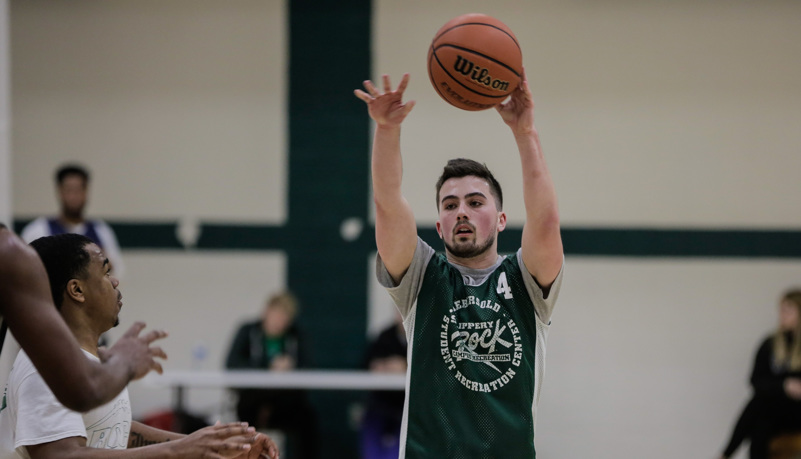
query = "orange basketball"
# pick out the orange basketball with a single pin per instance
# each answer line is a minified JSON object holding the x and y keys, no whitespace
{"x":475,"y":62}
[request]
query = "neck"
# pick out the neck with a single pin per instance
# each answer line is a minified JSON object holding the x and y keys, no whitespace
{"x":71,"y":219}
{"x":87,"y":337}
{"x":481,"y":261}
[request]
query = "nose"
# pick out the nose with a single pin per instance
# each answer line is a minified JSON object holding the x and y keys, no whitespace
{"x":461,"y":213}
{"x":114,"y":281}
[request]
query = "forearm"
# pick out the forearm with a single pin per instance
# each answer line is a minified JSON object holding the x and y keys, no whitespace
{"x":387,"y":165}
{"x":396,"y":232}
{"x":539,"y":193}
{"x":145,"y":435}
{"x":75,"y":448}
{"x":161,"y":451}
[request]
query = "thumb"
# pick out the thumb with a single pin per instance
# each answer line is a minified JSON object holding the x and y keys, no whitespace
{"x":408,"y":107}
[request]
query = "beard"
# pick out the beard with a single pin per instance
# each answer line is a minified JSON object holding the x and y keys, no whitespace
{"x":72,"y":213}
{"x":470,"y":249}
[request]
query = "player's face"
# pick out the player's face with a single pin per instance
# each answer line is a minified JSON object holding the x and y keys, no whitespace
{"x":103,"y":299}
{"x":788,"y":315}
{"x":72,"y":193}
{"x":469,"y":219}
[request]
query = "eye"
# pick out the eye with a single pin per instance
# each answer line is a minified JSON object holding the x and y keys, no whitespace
{"x":476,"y":203}
{"x":450,"y":206}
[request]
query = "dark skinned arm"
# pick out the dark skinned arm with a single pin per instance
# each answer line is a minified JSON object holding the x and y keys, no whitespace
{"x":215,"y":442}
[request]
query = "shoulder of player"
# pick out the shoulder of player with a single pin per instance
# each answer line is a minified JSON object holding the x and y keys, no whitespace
{"x":22,"y":369}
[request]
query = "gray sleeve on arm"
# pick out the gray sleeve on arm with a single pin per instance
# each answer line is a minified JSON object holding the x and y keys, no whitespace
{"x":542,"y":306}
{"x":405,"y":293}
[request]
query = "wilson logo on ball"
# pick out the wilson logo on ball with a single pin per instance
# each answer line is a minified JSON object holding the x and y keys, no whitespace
{"x":480,"y":75}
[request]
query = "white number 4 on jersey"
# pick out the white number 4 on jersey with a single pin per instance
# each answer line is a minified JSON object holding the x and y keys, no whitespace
{"x":503,"y":287}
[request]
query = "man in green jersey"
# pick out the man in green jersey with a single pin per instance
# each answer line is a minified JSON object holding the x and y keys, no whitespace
{"x":476,"y":322}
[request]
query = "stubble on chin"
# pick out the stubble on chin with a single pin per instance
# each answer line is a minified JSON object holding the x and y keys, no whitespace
{"x":470,"y":250}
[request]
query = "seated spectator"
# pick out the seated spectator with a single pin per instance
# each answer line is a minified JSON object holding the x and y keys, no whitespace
{"x":380,"y":437}
{"x":775,"y":407}
{"x":275,"y":343}
{"x":33,"y":424}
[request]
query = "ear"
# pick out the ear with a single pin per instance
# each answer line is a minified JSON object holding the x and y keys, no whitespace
{"x":501,"y":221}
{"x":75,"y":290}
{"x":439,"y":229}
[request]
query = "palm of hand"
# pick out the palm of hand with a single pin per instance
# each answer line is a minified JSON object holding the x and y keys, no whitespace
{"x":387,"y":109}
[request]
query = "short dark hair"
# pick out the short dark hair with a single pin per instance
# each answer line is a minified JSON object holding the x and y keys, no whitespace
{"x":71,"y":169}
{"x":3,"y":226}
{"x":64,"y":257}
{"x":461,"y":167}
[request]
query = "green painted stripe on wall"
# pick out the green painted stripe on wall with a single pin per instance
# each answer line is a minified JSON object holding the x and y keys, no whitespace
{"x":613,"y":242}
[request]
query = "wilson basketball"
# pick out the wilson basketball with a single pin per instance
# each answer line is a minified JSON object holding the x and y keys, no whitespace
{"x":475,"y":62}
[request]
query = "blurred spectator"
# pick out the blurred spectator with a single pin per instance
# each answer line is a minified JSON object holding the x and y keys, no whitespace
{"x":775,"y":407}
{"x":275,"y":343}
{"x":380,"y":437}
{"x":72,"y":185}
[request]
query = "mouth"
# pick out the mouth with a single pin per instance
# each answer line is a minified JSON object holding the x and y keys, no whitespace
{"x":463,"y":230}
{"x":119,"y":299}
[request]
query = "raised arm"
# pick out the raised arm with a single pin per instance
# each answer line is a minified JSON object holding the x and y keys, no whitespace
{"x":27,"y":306}
{"x":542,"y":241}
{"x":395,"y":228}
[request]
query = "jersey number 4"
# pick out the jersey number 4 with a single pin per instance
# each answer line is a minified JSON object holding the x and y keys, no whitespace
{"x":503,"y":287}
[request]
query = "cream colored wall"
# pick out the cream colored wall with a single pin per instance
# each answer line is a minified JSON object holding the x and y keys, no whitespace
{"x":655,"y":115}
{"x":178,"y":107}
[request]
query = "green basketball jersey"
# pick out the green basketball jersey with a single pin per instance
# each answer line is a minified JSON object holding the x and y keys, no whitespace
{"x":476,"y":360}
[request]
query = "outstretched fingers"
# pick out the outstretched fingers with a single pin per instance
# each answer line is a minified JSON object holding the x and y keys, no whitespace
{"x":368,"y":85}
{"x":363,"y":95}
{"x":387,"y":84}
{"x":135,"y":329}
{"x":404,"y":82}
{"x":153,"y":335}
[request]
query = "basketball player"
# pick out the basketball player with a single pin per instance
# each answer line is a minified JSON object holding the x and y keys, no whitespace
{"x":26,"y":306}
{"x":32,"y":422}
{"x":476,"y":322}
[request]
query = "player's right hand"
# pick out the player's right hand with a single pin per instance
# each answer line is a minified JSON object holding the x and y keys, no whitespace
{"x":136,"y":351}
{"x":217,"y":442}
{"x":386,"y":108}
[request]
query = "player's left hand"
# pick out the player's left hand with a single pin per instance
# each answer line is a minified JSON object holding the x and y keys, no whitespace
{"x":518,"y":111}
{"x":263,"y":448}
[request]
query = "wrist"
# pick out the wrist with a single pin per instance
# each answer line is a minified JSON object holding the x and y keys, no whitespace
{"x":391,"y":128}
{"x":524,"y":133}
